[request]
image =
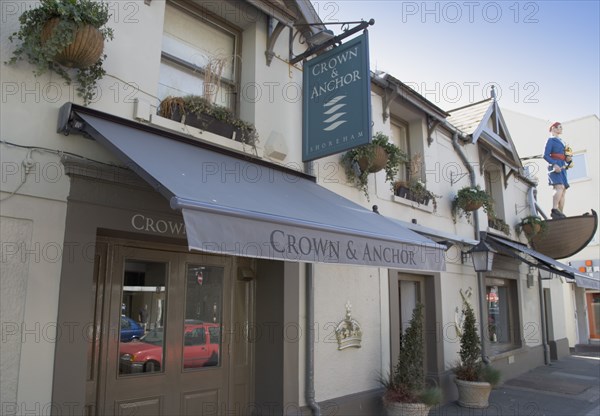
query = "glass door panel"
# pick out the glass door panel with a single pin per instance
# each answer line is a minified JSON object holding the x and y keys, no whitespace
{"x":143,"y":317}
{"x":203,"y":316}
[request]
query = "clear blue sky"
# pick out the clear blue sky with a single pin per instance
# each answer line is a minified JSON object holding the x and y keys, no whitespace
{"x":543,"y":56}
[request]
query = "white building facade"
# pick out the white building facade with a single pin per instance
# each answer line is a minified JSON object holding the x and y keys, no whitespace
{"x":101,"y":235}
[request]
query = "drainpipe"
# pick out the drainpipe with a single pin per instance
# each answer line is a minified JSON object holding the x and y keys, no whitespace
{"x":310,"y":343}
{"x":534,"y":207}
{"x":480,"y":276}
{"x":543,"y":320}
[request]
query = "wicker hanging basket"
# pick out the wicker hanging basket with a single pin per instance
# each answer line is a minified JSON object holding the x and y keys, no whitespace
{"x":473,"y":206}
{"x":379,"y":161}
{"x":85,"y":50}
{"x":531,"y":229}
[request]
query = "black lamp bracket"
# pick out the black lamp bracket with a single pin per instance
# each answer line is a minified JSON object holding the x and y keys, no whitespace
{"x":293,"y":59}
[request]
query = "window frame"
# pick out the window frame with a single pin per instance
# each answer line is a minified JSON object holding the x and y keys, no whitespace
{"x":399,"y":123}
{"x":207,"y":17}
{"x":585,"y":175}
{"x":495,"y":190}
{"x":513,"y":316}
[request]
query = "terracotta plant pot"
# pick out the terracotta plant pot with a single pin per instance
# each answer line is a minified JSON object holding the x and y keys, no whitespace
{"x":85,"y":50}
{"x":473,"y":394}
{"x":406,"y":409}
{"x":379,"y":161}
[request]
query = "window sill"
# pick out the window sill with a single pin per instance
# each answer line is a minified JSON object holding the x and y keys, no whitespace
{"x":504,"y":350}
{"x":413,"y":204}
{"x":203,"y":135}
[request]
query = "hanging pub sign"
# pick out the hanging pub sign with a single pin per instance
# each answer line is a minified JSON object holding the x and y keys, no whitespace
{"x":337,"y":100}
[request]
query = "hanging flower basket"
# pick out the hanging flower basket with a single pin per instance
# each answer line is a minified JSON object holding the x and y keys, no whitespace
{"x":473,"y":205}
{"x":531,"y":225}
{"x":380,"y":154}
{"x":85,"y":50}
{"x":61,"y":34}
{"x":469,"y":199}
{"x":531,"y":229}
{"x":379,"y":161}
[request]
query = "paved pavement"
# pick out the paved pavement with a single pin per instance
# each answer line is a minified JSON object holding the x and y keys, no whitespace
{"x":567,"y":387}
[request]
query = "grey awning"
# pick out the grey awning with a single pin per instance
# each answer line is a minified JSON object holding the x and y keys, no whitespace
{"x":234,"y":204}
{"x":544,"y":262}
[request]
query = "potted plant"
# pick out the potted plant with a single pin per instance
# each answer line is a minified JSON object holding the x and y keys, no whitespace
{"x":198,"y":111}
{"x":213,"y":71}
{"x":406,"y":392}
{"x":469,"y":199}
{"x":415,"y":189}
{"x":531,"y":225}
{"x":498,"y":224}
{"x":372,"y":157}
{"x":474,"y":379}
{"x":65,"y":36}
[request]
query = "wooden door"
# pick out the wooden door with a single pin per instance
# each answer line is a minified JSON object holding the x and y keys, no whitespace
{"x":181,"y":306}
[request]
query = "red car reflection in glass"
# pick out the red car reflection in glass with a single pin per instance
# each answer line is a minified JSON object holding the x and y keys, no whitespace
{"x":200,"y":349}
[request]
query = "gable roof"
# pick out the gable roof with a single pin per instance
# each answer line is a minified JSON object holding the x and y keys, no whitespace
{"x":469,"y":117}
{"x":403,"y":91}
{"x":483,"y":121}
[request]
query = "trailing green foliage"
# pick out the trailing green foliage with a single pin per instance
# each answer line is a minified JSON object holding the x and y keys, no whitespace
{"x":197,"y":104}
{"x":531,"y":220}
{"x":499,"y":224}
{"x":73,"y":14}
{"x":350,"y":160}
{"x":471,"y":194}
{"x":415,"y":189}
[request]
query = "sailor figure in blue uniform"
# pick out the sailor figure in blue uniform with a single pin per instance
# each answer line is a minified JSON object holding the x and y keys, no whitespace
{"x":559,"y":156}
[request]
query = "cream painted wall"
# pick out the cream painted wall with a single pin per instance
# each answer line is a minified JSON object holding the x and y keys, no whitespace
{"x":343,"y":372}
{"x":41,"y":202}
{"x":457,"y":277}
{"x":29,"y":116}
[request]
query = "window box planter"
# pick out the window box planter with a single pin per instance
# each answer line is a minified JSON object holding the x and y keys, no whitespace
{"x":197,"y":111}
{"x":498,"y":224}
{"x":405,"y":192}
{"x":415,"y":191}
{"x":206,"y":122}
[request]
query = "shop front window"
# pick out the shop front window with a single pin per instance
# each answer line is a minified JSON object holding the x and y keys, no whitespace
{"x":503,"y":320}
